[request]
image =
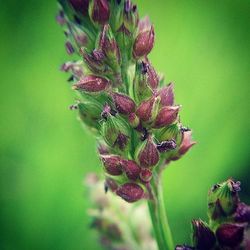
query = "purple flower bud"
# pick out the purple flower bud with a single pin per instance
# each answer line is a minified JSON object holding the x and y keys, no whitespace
{"x":91,"y":83}
{"x":152,"y":76}
{"x":130,"y":192}
{"x":145,"y":175}
{"x":144,"y":43}
{"x":131,"y":169}
{"x":166,"y":146}
{"x":186,"y":143}
{"x":133,"y":120}
{"x":103,"y":149}
{"x":99,"y":11}
{"x":69,"y":48}
{"x":166,"y":116}
{"x":230,"y":235}
{"x":203,"y":236}
{"x":60,"y":18}
{"x":144,"y":24}
{"x":242,"y":213}
{"x":124,"y":104}
{"x":112,"y":164}
{"x":73,"y":67}
{"x":130,"y":16}
{"x":148,"y":155}
{"x":167,"y":95}
{"x":148,"y":110}
{"x":80,"y":6}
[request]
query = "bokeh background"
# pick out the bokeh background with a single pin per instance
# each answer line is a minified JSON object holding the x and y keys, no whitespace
{"x":203,"y":46}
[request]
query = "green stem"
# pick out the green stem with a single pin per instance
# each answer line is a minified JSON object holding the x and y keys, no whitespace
{"x":159,"y":218}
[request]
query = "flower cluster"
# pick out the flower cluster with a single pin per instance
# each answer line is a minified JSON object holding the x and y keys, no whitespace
{"x":121,"y":97}
{"x":229,"y":221}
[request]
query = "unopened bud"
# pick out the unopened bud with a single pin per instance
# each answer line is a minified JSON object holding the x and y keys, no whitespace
{"x":171,"y":132}
{"x":166,"y":116}
{"x":111,"y":184}
{"x":147,"y":153}
{"x":144,"y":43}
{"x":124,"y":104}
{"x":80,"y":6}
{"x":230,"y":235}
{"x":112,"y":164}
{"x":109,"y":46}
{"x":222,"y":199}
{"x":131,"y":169}
{"x":148,"y":110}
{"x":115,"y":132}
{"x":131,"y":17}
{"x":152,"y":76}
{"x":133,"y":120}
{"x":130,"y":192}
{"x":69,"y":48}
{"x":167,"y":95}
{"x":203,"y":236}
{"x":92,"y":83}
{"x":145,"y":175}
{"x":60,"y":18}
{"x":99,"y":11}
{"x":242,"y":213}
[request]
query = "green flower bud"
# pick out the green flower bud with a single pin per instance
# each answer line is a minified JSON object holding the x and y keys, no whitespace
{"x":223,"y":199}
{"x":115,"y":132}
{"x":171,"y":132}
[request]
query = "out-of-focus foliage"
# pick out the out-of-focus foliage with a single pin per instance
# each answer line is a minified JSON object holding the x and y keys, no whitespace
{"x":203,"y":46}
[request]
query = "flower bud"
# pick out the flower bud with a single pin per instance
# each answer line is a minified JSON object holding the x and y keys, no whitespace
{"x":69,"y":48}
{"x":103,"y":149}
{"x":147,"y":153}
{"x":186,"y":143}
{"x":223,"y":199}
{"x":109,"y":46}
{"x":203,"y":236}
{"x":230,"y":235}
{"x":171,"y":132}
{"x":167,"y":95}
{"x":111,"y":184}
{"x":124,"y":104}
{"x":148,"y":110}
{"x":142,"y":90}
{"x":144,"y":42}
{"x":242,"y":213}
{"x":130,"y":192}
{"x":91,"y":83}
{"x":145,"y":175}
{"x":130,"y":16}
{"x":115,"y":133}
{"x":131,"y":169}
{"x":152,"y":76}
{"x":133,"y":120}
{"x":75,"y":68}
{"x":60,"y":18}
{"x":80,"y":6}
{"x":89,"y":113}
{"x":112,"y":164}
{"x":166,"y":116}
{"x":99,"y":11}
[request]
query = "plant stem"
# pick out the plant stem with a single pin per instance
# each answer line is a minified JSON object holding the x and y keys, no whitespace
{"x":158,"y":215}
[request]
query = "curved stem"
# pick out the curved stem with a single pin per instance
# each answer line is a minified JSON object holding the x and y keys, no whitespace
{"x":158,"y":215}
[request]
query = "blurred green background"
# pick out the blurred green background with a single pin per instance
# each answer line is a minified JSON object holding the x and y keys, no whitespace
{"x":203,"y":46}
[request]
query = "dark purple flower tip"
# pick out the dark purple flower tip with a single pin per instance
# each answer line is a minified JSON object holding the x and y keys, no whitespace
{"x":112,"y":164}
{"x":166,"y":116}
{"x":167,"y":95}
{"x":242,"y":213}
{"x":80,"y":6}
{"x":145,"y":175}
{"x":148,"y":155}
{"x":131,"y":169}
{"x":91,"y":83}
{"x":152,"y":76}
{"x":69,"y":48}
{"x":203,"y":236}
{"x":99,"y":11}
{"x":130,"y":192}
{"x":121,"y":141}
{"x":124,"y":104}
{"x":230,"y":235}
{"x":166,"y":146}
{"x":144,"y":43}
